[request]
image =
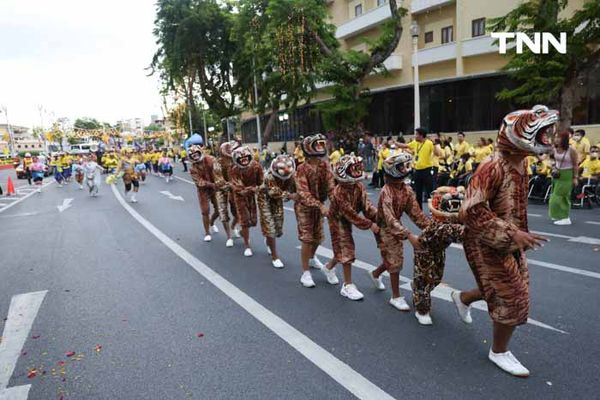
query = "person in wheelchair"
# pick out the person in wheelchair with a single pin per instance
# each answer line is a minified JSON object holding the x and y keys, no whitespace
{"x":459,"y":176}
{"x":541,"y":170}
{"x":589,"y":171}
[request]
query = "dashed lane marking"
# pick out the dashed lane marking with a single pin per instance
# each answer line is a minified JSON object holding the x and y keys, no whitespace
{"x":342,"y":373}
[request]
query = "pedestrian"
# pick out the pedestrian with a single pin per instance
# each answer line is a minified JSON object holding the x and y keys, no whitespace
{"x":396,"y":198}
{"x":581,"y":144}
{"x":423,"y":151}
{"x":183,"y":158}
{"x":564,"y":179}
{"x":203,"y":174}
{"x":496,"y":236}
{"x":57,"y":169}
{"x":91,"y":169}
{"x":165,"y":166}
{"x":314,"y":182}
{"x":27,"y":161}
{"x":246,"y":178}
{"x":278,"y":186}
{"x":126,"y":168}
{"x":37,"y":172}
{"x":348,"y":200}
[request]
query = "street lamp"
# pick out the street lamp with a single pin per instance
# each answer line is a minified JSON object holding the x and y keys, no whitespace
{"x":414,"y":31}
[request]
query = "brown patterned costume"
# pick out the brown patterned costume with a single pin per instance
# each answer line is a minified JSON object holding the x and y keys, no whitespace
{"x":348,"y":200}
{"x":494,"y":209}
{"x":430,"y":261}
{"x":313,"y":183}
{"x":204,"y":176}
{"x":395,"y":199}
{"x":270,"y":197}
{"x":223,"y":195}
{"x":245,"y":182}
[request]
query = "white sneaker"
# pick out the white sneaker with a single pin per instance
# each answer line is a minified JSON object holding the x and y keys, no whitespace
{"x":350,"y":291}
{"x":236,"y":233}
{"x":332,"y":278}
{"x":508,"y":363}
{"x":399,"y":303}
{"x":229,"y":243}
{"x":80,"y":187}
{"x":424,"y":319}
{"x":39,"y":190}
{"x":248,"y":252}
{"x":315,"y":263}
{"x":464,"y":311}
{"x":277,"y":263}
{"x":215,"y":229}
{"x":133,"y":199}
{"x":306,"y":280}
{"x":207,"y":238}
{"x":566,"y":221}
{"x":378,"y":282}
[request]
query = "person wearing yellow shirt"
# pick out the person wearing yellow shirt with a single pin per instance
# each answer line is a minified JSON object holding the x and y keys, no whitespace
{"x":590,"y":172}
{"x":423,"y":151}
{"x":581,"y":145}
{"x":481,"y":152}
{"x":464,"y":168}
{"x":462,"y":146}
{"x":383,"y":153}
{"x":65,"y":162}
{"x":155,"y":157}
{"x":298,"y":154}
{"x":27,"y":161}
{"x":446,"y":160}
{"x":183,"y":158}
{"x":336,"y":155}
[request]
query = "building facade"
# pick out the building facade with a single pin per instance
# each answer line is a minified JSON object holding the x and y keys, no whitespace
{"x":459,"y":68}
{"x":24,"y":140}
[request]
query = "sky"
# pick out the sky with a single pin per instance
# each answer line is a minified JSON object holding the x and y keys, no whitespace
{"x":77,"y":58}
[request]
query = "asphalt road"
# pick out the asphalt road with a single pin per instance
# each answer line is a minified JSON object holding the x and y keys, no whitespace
{"x":153,"y":312}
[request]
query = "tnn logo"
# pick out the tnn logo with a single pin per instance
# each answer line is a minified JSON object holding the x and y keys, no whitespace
{"x":539,"y":45}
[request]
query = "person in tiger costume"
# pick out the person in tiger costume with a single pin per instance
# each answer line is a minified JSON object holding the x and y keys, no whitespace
{"x":348,"y":200}
{"x":496,"y":235}
{"x":396,"y":198}
{"x":443,"y":230}
{"x":204,"y":176}
{"x":245,"y":179}
{"x":126,"y":168}
{"x":224,"y":196}
{"x":314,"y":182}
{"x":278,"y":186}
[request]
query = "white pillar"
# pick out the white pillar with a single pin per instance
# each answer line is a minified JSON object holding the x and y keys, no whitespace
{"x":417,"y":100}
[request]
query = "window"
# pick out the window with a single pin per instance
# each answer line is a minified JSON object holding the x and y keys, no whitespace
{"x":381,"y":2}
{"x":478,"y":27}
{"x":447,"y":35}
{"x":429,"y":37}
{"x":358,"y":10}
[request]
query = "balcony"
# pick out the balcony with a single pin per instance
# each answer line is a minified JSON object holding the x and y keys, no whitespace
{"x":478,"y":45}
{"x":419,"y":6}
{"x":436,"y":54}
{"x":364,"y":22}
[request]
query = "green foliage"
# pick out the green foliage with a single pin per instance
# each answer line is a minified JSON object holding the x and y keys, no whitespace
{"x":543,"y":77}
{"x":87,"y":123}
{"x":153,"y":128}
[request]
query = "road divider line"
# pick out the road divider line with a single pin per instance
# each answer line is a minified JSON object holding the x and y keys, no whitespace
{"x":443,"y":291}
{"x":592,"y":222}
{"x":23,"y":198}
{"x":544,"y":264}
{"x":342,"y":373}
{"x":21,"y":314}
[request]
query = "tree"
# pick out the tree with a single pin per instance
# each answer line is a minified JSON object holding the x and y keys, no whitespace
{"x":154,"y":128}
{"x":87,"y":123}
{"x":555,"y":79}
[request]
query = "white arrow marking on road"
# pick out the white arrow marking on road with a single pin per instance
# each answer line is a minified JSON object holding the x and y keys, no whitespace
{"x":171,"y":195}
{"x":65,"y":205}
{"x":441,"y":292}
{"x":21,"y":314}
{"x":592,"y":222}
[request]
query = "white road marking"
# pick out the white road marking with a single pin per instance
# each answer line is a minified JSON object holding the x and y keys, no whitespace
{"x":15,"y":393}
{"x":22,"y":198}
{"x":171,"y":195}
{"x":576,"y":239}
{"x":441,"y":292}
{"x":65,"y":205}
{"x":534,"y":215}
{"x":342,"y":373}
{"x":21,"y":314}
{"x":544,"y":264}
{"x":184,"y":180}
{"x":15,"y":198}
{"x":592,"y":222}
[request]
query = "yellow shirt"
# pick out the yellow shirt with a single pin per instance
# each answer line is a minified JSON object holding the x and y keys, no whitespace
{"x":335,"y":156}
{"x":481,"y":153}
{"x":381,"y":156}
{"x":423,"y":153}
{"x":531,"y":160}
{"x":446,"y":160}
{"x":462,"y":148}
{"x":544,"y":167}
{"x":590,"y":168}
{"x":463,"y":167}
{"x":299,"y":154}
{"x":582,"y":148}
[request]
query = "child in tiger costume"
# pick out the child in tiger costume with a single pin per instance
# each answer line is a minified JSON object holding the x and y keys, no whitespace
{"x":496,"y":235}
{"x":314,"y":181}
{"x":126,"y":168}
{"x":245,"y":179}
{"x":348,"y":200}
{"x":278,"y":186}
{"x":224,"y":195}
{"x":204,"y":176}
{"x":396,"y":198}
{"x":443,"y":230}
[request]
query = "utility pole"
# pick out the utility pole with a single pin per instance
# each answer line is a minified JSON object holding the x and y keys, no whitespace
{"x":258,"y":132}
{"x":10,"y":133}
{"x":190,"y":115}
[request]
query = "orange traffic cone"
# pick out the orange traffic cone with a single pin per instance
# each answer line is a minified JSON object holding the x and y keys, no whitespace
{"x":10,"y":187}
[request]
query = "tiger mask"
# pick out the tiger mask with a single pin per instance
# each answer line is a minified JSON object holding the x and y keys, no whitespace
{"x":242,"y":156}
{"x":315,"y":145}
{"x":528,"y":131}
{"x":348,"y":169}
{"x":283,"y":167}
{"x":445,"y":203}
